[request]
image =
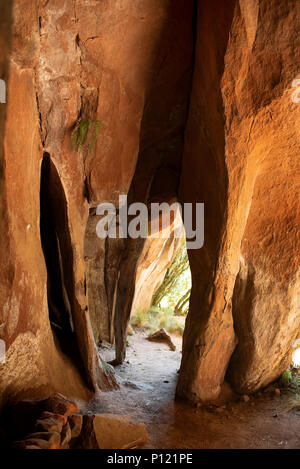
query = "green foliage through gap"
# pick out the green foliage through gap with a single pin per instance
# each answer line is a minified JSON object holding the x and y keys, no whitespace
{"x":174,"y":292}
{"x":156,"y":318}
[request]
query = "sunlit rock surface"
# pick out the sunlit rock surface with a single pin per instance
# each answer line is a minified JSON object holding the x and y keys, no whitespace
{"x":229,"y":137}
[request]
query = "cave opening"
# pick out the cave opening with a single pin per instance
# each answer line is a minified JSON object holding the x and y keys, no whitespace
{"x":58,"y":254}
{"x":158,"y":313}
{"x":171,"y":276}
{"x":296,"y":357}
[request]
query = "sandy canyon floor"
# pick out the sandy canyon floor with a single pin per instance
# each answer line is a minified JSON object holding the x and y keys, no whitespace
{"x":148,"y":381}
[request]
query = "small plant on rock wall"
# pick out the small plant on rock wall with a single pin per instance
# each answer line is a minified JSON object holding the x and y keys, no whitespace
{"x":80,"y":133}
{"x":286,"y":378}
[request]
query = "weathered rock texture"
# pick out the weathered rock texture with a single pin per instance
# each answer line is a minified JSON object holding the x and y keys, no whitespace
{"x":242,"y":148}
{"x":119,"y":431}
{"x":166,"y":43}
{"x":54,"y":423}
{"x":121,"y":63}
{"x":158,"y":252}
{"x":157,"y":256}
{"x":232,"y":142}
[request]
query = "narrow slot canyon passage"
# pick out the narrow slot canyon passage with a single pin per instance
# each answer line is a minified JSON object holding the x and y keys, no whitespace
{"x":58,"y":254}
{"x":118,"y":330}
{"x":148,"y":379}
{"x":56,"y":248}
{"x":148,"y":376}
{"x":160,"y":303}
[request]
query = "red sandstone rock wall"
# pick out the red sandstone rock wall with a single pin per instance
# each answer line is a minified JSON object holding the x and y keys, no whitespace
{"x":242,"y":142}
{"x":157,"y":256}
{"x":128,"y":64}
{"x":33,"y":363}
{"x":72,"y":60}
{"x":158,"y":153}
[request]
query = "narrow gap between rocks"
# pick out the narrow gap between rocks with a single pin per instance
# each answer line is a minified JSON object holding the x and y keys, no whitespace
{"x":57,"y":249}
{"x":156,"y":328}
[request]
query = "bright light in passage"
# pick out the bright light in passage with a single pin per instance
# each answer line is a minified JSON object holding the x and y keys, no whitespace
{"x":296,"y":358}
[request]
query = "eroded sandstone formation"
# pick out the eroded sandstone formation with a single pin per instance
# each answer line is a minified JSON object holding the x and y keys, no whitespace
{"x":157,"y":256}
{"x":58,"y":423}
{"x":70,"y":61}
{"x":245,"y":126}
{"x":195,"y":101}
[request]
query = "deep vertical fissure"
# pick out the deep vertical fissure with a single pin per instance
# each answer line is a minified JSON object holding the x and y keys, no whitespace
{"x":57,"y":249}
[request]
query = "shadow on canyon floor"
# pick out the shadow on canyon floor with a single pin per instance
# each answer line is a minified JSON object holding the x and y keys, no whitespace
{"x":147,"y":393}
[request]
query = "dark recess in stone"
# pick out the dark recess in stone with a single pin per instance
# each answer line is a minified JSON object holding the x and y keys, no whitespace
{"x":57,"y":249}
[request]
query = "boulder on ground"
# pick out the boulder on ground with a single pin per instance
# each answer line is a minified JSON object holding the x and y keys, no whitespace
{"x":75,"y":422}
{"x":45,"y":440}
{"x":65,"y":436}
{"x":49,"y":424}
{"x":22,"y":416}
{"x":58,"y":404}
{"x":162,"y":336}
{"x":119,"y":432}
{"x":87,"y":438}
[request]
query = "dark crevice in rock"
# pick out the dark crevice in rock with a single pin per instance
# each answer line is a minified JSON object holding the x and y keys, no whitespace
{"x":40,"y":119}
{"x":86,"y":189}
{"x":57,"y":249}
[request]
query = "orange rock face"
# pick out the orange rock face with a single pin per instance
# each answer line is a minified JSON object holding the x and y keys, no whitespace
{"x":157,"y":256}
{"x":266,"y":294}
{"x":67,"y":63}
{"x":242,"y":140}
{"x":228,"y":138}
